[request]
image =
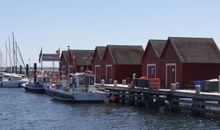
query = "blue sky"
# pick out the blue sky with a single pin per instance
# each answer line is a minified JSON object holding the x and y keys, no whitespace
{"x":84,"y":24}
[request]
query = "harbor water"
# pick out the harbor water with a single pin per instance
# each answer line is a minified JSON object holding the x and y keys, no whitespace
{"x":20,"y":110}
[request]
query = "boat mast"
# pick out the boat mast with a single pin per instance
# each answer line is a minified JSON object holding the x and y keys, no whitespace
{"x":68,"y":68}
{"x":22,"y":60}
{"x":13,"y":51}
{"x":9,"y":52}
{"x":6,"y":56}
{"x":16,"y":57}
{"x":0,"y":60}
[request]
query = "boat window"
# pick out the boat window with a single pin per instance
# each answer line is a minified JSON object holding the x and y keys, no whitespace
{"x":86,"y":80}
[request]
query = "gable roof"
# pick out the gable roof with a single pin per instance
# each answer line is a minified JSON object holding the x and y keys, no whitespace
{"x":158,"y":46}
{"x":125,"y":54}
{"x":196,"y":50}
{"x":82,"y":57}
{"x":101,"y":51}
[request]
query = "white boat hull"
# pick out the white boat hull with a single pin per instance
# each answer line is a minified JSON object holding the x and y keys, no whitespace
{"x":13,"y":83}
{"x":90,"y":97}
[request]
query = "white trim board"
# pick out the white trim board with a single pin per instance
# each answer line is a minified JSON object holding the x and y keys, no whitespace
{"x":170,"y":64}
{"x":150,"y":65}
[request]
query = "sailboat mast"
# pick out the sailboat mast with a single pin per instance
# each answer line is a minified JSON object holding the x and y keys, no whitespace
{"x":1,"y":67}
{"x":16,"y":57}
{"x":19,"y":51}
{"x":9,"y":52}
{"x":13,"y":50}
{"x":6,"y":56}
{"x":68,"y":68}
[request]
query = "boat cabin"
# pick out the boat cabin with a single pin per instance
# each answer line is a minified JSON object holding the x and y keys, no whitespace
{"x":82,"y":82}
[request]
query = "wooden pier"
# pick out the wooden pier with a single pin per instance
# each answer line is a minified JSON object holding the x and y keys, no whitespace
{"x":167,"y":100}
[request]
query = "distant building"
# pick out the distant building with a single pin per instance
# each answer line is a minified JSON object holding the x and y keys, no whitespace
{"x":97,"y":64}
{"x":182,"y":60}
{"x":79,"y":61}
{"x":121,"y":61}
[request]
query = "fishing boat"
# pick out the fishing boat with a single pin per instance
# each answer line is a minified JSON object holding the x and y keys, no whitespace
{"x":12,"y":80}
{"x":34,"y":87}
{"x":80,"y":88}
{"x":59,"y":94}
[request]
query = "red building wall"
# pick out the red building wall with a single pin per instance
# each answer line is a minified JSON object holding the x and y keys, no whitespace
{"x":192,"y":72}
{"x":97,"y":61}
{"x":169,"y":56}
{"x":108,"y":61}
{"x":149,"y":57}
{"x":126,"y":72}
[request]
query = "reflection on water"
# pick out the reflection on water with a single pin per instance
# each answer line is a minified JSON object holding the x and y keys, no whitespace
{"x":26,"y":111}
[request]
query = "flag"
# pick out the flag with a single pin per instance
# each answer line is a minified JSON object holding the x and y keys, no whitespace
{"x":58,"y":51}
{"x":40,"y":55}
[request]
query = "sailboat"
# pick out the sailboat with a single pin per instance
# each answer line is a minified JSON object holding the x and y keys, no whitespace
{"x":12,"y":80}
{"x":34,"y":87}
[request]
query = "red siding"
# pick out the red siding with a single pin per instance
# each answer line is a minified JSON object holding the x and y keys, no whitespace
{"x":150,"y":57}
{"x":126,"y":72}
{"x":192,"y":72}
{"x":97,"y":61}
{"x":170,"y":56}
{"x":108,"y":61}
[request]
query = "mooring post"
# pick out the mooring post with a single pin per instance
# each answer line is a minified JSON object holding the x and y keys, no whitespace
{"x":135,"y":99}
{"x":103,"y":82}
{"x":219,"y":83}
{"x":198,"y":107}
{"x":121,"y":96}
{"x":198,"y":89}
{"x":27,"y":70}
{"x":35,"y":72}
{"x":115,"y":83}
{"x":173,"y":87}
{"x":174,"y":101}
{"x":127,"y":97}
{"x":123,"y":81}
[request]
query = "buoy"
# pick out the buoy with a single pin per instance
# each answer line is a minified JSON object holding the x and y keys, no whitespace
{"x":112,"y":99}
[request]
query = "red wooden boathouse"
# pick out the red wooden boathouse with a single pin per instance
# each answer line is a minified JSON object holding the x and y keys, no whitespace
{"x":80,"y":61}
{"x":97,"y":65}
{"x":184,"y":60}
{"x":121,"y":61}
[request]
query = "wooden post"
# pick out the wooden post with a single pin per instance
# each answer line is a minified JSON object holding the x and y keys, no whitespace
{"x":173,"y":87}
{"x":123,"y":81}
{"x":219,"y":83}
{"x":121,"y":95}
{"x":115,"y":83}
{"x":174,"y":104}
{"x":135,"y":99}
{"x":197,"y":107}
{"x":103,"y":82}
{"x":35,"y":72}
{"x":127,"y":97}
{"x":198,"y":89}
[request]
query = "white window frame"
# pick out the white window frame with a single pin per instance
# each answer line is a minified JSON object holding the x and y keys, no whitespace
{"x":151,"y":65}
{"x":107,"y":66}
{"x":170,"y":64}
{"x":97,"y":66}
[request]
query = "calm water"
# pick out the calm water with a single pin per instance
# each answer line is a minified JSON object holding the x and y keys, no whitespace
{"x":25,"y":111}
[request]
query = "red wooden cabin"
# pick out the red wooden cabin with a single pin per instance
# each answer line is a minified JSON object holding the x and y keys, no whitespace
{"x":79,"y":61}
{"x":121,"y":61}
{"x":97,"y":65}
{"x":190,"y":59}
